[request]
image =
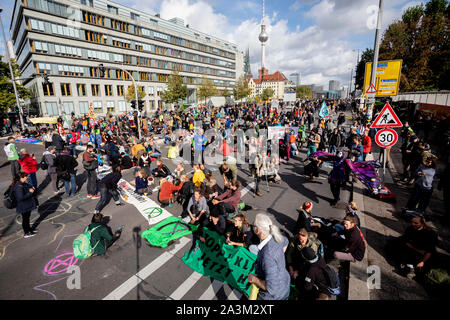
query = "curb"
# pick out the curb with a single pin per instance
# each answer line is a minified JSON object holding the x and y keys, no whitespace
{"x":357,"y":284}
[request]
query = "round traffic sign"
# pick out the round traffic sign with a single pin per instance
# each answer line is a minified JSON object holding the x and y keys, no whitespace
{"x":386,"y":138}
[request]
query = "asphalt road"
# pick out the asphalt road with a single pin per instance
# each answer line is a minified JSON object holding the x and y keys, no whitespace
{"x":34,"y":268}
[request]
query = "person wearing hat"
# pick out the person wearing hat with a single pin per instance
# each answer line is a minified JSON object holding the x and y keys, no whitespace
{"x":49,"y":157}
{"x":313,"y":285}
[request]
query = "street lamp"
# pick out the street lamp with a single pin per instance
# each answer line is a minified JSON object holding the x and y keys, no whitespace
{"x":12,"y":73}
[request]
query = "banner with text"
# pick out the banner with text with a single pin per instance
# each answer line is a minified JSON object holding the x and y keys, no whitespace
{"x":216,"y":259}
{"x":279,"y":132}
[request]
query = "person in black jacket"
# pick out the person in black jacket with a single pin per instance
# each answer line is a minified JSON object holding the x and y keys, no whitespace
{"x":161,"y":171}
{"x":312,"y":285}
{"x":58,"y":142}
{"x":65,"y":165}
{"x":26,"y":202}
{"x":352,"y":246}
{"x":240,"y":233}
{"x":305,"y":219}
{"x":108,"y":188}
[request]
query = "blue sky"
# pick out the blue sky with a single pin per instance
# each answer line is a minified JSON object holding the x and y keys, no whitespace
{"x":318,"y":38}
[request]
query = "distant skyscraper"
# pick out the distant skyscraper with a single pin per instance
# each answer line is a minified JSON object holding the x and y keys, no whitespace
{"x":247,"y":68}
{"x":334,"y":85}
{"x":295,"y":78}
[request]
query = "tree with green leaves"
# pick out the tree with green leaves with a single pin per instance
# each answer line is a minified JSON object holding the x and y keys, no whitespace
{"x":366,"y":56}
{"x":267,"y":94}
{"x":241,"y":89}
{"x":7,"y":96}
{"x":206,"y":89}
{"x":131,"y":94}
{"x":176,"y":89}
{"x":303,"y":92}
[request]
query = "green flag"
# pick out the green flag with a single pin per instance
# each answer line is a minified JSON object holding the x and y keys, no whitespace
{"x":166,"y":231}
{"x":216,"y":259}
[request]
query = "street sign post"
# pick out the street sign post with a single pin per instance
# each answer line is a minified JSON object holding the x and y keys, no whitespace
{"x":386,"y":138}
{"x":387,"y":118}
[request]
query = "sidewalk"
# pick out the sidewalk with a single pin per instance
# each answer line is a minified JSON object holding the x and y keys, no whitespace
{"x":381,"y":221}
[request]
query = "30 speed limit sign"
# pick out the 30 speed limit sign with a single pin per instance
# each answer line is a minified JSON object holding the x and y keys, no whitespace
{"x":386,"y":138}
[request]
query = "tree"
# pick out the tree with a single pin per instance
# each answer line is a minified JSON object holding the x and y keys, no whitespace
{"x":303,"y":92}
{"x":226,"y":93}
{"x":366,"y":56}
{"x":176,"y":89}
{"x":267,"y":94}
{"x":131,"y":94}
{"x":206,"y":89}
{"x":241,"y":89}
{"x":7,"y":96}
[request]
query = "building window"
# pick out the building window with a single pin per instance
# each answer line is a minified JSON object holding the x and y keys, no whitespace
{"x":39,"y":46}
{"x":97,"y":105}
{"x":65,"y":89}
{"x":151,"y":91}
{"x":84,"y":107}
{"x":52,"y":108}
{"x":94,"y":37}
{"x":81,"y":88}
{"x":134,"y":16}
{"x":120,"y":91}
{"x":112,"y":9}
{"x":110,"y":106}
{"x":95,"y":90}
{"x":152,"y":104}
{"x":108,"y":90}
{"x":94,"y":72}
{"x":68,"y":107}
{"x":48,"y":89}
{"x":122,"y":106}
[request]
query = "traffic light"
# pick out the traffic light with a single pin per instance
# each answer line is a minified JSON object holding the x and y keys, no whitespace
{"x":140,"y":105}
{"x":102,"y":70}
{"x":133,"y":104}
{"x":46,"y":80}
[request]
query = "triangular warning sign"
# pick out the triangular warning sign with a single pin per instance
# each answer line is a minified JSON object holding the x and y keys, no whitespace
{"x":371,"y":89}
{"x":387,"y":118}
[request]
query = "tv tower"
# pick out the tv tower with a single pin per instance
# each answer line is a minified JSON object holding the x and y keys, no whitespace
{"x":263,"y":37}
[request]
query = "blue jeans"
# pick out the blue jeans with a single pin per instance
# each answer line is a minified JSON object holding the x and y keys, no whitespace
{"x":105,"y":196}
{"x":69,"y":190}
{"x":155,"y":155}
{"x":332,"y":149}
{"x":32,"y":180}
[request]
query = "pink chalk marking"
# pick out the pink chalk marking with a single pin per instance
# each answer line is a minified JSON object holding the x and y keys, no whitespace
{"x":60,"y":264}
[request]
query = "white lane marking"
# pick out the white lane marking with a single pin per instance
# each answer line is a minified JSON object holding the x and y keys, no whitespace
{"x":211,"y":292}
{"x":235,"y":295}
{"x":187,"y":285}
{"x":131,"y":283}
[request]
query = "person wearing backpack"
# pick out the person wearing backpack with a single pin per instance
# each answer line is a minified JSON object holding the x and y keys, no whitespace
{"x":49,"y":157}
{"x":319,"y":280}
{"x":100,"y":236}
{"x":26,"y":202}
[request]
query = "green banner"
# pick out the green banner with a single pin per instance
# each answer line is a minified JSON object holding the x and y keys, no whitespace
{"x":167,"y":231}
{"x":216,"y":259}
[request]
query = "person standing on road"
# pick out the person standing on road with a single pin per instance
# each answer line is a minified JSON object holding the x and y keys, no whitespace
{"x":423,"y":188}
{"x":58,"y":142}
{"x":65,"y":167}
{"x":367,"y":144}
{"x":13,"y":156}
{"x":90,"y":164}
{"x":50,"y":157}
{"x":25,"y":197}
{"x":108,"y":188}
{"x":29,"y":166}
{"x":337,"y":177}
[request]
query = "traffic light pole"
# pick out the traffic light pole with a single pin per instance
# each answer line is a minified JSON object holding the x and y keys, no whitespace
{"x":12,"y":75}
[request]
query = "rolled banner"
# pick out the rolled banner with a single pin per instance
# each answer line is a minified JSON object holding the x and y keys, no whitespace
{"x":253,"y":292}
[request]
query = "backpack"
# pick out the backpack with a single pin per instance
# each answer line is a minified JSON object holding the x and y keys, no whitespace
{"x":333,"y":283}
{"x":43,"y":164}
{"x":82,"y":248}
{"x":10,"y":201}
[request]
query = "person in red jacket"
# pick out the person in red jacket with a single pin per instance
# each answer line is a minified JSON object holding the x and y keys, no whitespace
{"x":29,"y":166}
{"x":166,"y":196}
{"x":367,"y":144}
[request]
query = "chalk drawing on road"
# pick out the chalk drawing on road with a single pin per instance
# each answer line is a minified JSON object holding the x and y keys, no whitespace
{"x":60,"y":264}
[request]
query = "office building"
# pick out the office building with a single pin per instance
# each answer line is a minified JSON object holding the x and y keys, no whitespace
{"x":69,"y":39}
{"x":334,"y":85}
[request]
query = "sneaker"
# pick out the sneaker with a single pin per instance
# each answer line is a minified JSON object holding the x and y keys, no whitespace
{"x":29,"y":235}
{"x":258,"y":193}
{"x":96,"y":211}
{"x":89,"y":196}
{"x":119,"y":204}
{"x":95,"y":196}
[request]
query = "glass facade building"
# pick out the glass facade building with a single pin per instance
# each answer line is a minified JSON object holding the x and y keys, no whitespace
{"x":69,"y":39}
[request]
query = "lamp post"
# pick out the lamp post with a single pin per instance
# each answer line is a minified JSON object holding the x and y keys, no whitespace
{"x":12,"y":73}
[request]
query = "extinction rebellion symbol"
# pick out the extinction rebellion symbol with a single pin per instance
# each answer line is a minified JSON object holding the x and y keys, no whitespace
{"x":153,"y":212}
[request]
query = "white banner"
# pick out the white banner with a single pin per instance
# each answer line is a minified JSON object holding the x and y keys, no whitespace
{"x":279,"y":131}
{"x":149,"y":209}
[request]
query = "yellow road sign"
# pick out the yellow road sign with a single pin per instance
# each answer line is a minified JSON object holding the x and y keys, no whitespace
{"x":387,"y":79}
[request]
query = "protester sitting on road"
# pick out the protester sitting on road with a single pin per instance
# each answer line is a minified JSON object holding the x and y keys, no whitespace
{"x":228,"y":201}
{"x":166,"y":193}
{"x":145,"y":162}
{"x":227,"y":175}
{"x":305,"y":219}
{"x":350,"y":247}
{"x":101,"y":237}
{"x":161,"y":170}
{"x":414,"y":250}
{"x":352,"y":211}
{"x":141,"y":183}
{"x":294,"y":259}
{"x":209,"y":187}
{"x":271,"y":278}
{"x":125,"y":161}
{"x":179,"y":171}
{"x":108,"y":188}
{"x":24,"y":195}
{"x":314,"y":283}
{"x":312,"y":168}
{"x":198,"y":176}
{"x":215,"y":222}
{"x":240,"y":232}
{"x":197,"y":208}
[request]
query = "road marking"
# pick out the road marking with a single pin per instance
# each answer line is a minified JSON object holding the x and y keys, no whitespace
{"x":212,"y":290}
{"x":143,"y":274}
{"x":187,"y":285}
{"x":235,"y":295}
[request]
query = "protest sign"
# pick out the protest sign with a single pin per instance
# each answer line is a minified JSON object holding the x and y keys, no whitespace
{"x":279,"y":132}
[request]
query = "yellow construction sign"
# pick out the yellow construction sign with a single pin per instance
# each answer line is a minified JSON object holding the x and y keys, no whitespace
{"x":387,"y":79}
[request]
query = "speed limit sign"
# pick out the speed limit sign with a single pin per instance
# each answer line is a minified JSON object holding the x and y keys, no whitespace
{"x":386,"y":138}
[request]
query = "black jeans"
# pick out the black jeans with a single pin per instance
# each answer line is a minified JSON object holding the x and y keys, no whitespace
{"x":26,"y":221}
{"x":105,"y":196}
{"x":335,"y":190}
{"x":91,"y":182}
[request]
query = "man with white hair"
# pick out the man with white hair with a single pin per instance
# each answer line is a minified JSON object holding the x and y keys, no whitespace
{"x":272,"y":277}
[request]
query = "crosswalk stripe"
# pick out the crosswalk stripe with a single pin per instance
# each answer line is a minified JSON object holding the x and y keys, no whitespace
{"x":234,"y":295}
{"x":187,"y":285}
{"x":211,"y":292}
{"x":132,"y":282}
